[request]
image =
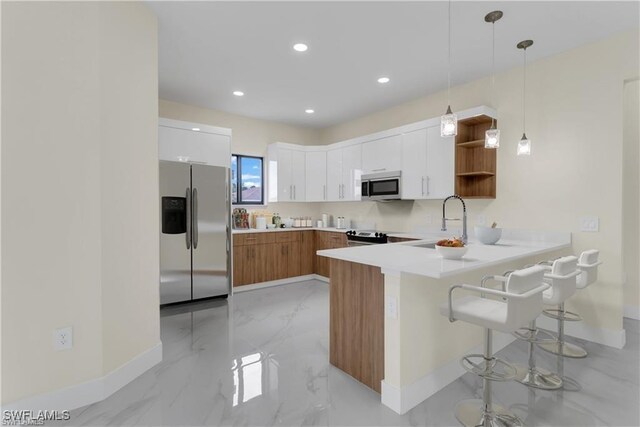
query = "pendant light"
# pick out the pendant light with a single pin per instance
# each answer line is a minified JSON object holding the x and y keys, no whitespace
{"x":449,"y":122}
{"x":524,"y":145}
{"x":492,"y":135}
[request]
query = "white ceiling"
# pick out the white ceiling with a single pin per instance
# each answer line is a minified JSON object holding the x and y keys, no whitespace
{"x":209,"y":49}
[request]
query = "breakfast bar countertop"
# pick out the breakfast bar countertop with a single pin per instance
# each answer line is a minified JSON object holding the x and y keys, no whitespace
{"x":413,"y":258}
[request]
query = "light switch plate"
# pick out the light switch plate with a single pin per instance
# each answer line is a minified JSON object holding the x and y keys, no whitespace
{"x":590,"y":224}
{"x":391,"y":307}
{"x":428,"y":219}
{"x":481,"y":219}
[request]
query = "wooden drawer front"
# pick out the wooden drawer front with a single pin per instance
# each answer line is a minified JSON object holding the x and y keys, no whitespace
{"x":337,"y":240}
{"x":287,"y":236}
{"x":253,"y":238}
{"x":400,"y":239}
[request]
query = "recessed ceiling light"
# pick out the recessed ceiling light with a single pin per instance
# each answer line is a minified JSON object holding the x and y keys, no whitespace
{"x":383,"y":80}
{"x":195,"y":129}
{"x":309,"y":111}
{"x":238,"y":93}
{"x":300,"y":47}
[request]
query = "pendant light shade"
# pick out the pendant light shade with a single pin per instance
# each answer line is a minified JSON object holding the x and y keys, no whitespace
{"x":492,"y":135}
{"x":524,"y":145}
{"x":449,"y":122}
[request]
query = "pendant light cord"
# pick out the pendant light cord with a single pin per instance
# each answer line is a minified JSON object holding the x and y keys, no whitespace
{"x":449,"y":59}
{"x":524,"y":94}
{"x":493,"y":69}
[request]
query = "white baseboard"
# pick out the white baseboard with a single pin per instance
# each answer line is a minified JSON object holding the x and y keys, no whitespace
{"x":632,"y":312}
{"x":280,"y":282}
{"x":608,"y":337}
{"x":92,"y":391}
{"x":403,"y":399}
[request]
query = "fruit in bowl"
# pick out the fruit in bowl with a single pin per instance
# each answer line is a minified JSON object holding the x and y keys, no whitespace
{"x":451,"y":248}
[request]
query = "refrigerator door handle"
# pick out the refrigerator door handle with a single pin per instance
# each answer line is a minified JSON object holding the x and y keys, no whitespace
{"x":188,"y":233}
{"x":195,"y":218}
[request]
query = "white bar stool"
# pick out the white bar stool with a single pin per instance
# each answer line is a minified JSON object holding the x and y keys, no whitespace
{"x":520,"y":302}
{"x":569,"y":273}
{"x":563,"y":285}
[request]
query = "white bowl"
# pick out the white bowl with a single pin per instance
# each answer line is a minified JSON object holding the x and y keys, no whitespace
{"x":447,"y":252}
{"x":488,"y":235}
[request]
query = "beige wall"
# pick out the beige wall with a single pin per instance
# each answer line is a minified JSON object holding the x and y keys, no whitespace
{"x":574,"y":120}
{"x":631,"y":200}
{"x":79,"y":108}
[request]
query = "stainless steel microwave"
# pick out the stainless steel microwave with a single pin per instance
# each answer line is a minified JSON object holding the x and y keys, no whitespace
{"x":382,"y":186}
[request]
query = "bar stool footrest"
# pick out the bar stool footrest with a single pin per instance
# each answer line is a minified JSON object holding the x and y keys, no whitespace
{"x":563,"y":349}
{"x":533,"y":335}
{"x":493,"y":369}
{"x":568,"y":316}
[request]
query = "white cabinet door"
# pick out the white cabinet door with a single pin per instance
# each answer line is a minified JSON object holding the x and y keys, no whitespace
{"x":285,"y":171}
{"x":382,"y":155}
{"x":175,"y":144}
{"x":316,"y":176}
{"x":414,"y":164}
{"x":440,"y":165}
{"x":334,"y":175}
{"x":351,"y":172}
{"x":298,"y":178}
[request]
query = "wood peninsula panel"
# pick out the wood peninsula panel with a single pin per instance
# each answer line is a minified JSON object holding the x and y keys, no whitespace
{"x":356,"y":316}
{"x":327,"y":240}
{"x":400,"y":239}
{"x":307,"y":252}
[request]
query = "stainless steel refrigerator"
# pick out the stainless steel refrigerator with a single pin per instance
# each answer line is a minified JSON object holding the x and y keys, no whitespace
{"x":195,"y":239}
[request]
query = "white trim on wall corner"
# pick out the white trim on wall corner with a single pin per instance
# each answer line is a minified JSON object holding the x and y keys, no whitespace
{"x":92,"y":391}
{"x":632,"y":312}
{"x":403,"y":399}
{"x":608,"y":337}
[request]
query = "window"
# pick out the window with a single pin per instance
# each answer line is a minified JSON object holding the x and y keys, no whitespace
{"x":246,"y":180}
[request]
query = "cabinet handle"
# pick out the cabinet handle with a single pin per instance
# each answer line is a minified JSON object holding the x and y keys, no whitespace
{"x":324,"y":192}
{"x":423,"y":185}
{"x":378,"y":170}
{"x":428,"y":186}
{"x":294,"y":192}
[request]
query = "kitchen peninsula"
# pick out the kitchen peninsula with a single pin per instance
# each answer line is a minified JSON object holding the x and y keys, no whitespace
{"x":386,"y":329}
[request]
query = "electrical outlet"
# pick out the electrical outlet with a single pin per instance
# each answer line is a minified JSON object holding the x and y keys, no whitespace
{"x":391,"y":307}
{"x":63,"y":338}
{"x":590,"y":224}
{"x":481,"y":219}
{"x":428,"y":219}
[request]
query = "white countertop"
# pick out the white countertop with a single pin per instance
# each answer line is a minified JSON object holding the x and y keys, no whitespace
{"x":406,"y":257}
{"x":278,"y":230}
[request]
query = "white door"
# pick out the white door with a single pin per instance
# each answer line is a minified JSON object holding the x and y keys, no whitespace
{"x":440,"y":165}
{"x":334,"y":175}
{"x":298,"y":178}
{"x":414,"y":164}
{"x":285,"y":172}
{"x":382,"y":155}
{"x":316,"y":176}
{"x":351,"y":172}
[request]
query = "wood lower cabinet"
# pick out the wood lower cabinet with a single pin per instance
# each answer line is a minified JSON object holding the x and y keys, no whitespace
{"x":262,"y":257}
{"x":327,"y":240}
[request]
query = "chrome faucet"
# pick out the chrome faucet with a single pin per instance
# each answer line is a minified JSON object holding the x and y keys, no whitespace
{"x":464,"y":217}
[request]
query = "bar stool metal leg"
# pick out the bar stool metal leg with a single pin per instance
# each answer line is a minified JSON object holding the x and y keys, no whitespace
{"x":531,"y":375}
{"x":559,"y":346}
{"x":475,"y":412}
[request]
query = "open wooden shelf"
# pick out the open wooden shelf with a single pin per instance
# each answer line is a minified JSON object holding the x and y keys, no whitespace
{"x":471,"y":144}
{"x":478,"y":173}
{"x":475,"y":165}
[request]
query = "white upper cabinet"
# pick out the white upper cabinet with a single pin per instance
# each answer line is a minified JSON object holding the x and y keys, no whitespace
{"x":286,"y":174}
{"x":316,"y":176}
{"x":178,"y":142}
{"x":427,"y":164}
{"x":440,"y":165}
{"x":382,"y":155}
{"x":344,"y":171}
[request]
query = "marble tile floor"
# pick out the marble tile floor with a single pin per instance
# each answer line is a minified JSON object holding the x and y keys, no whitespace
{"x":261,"y":360}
